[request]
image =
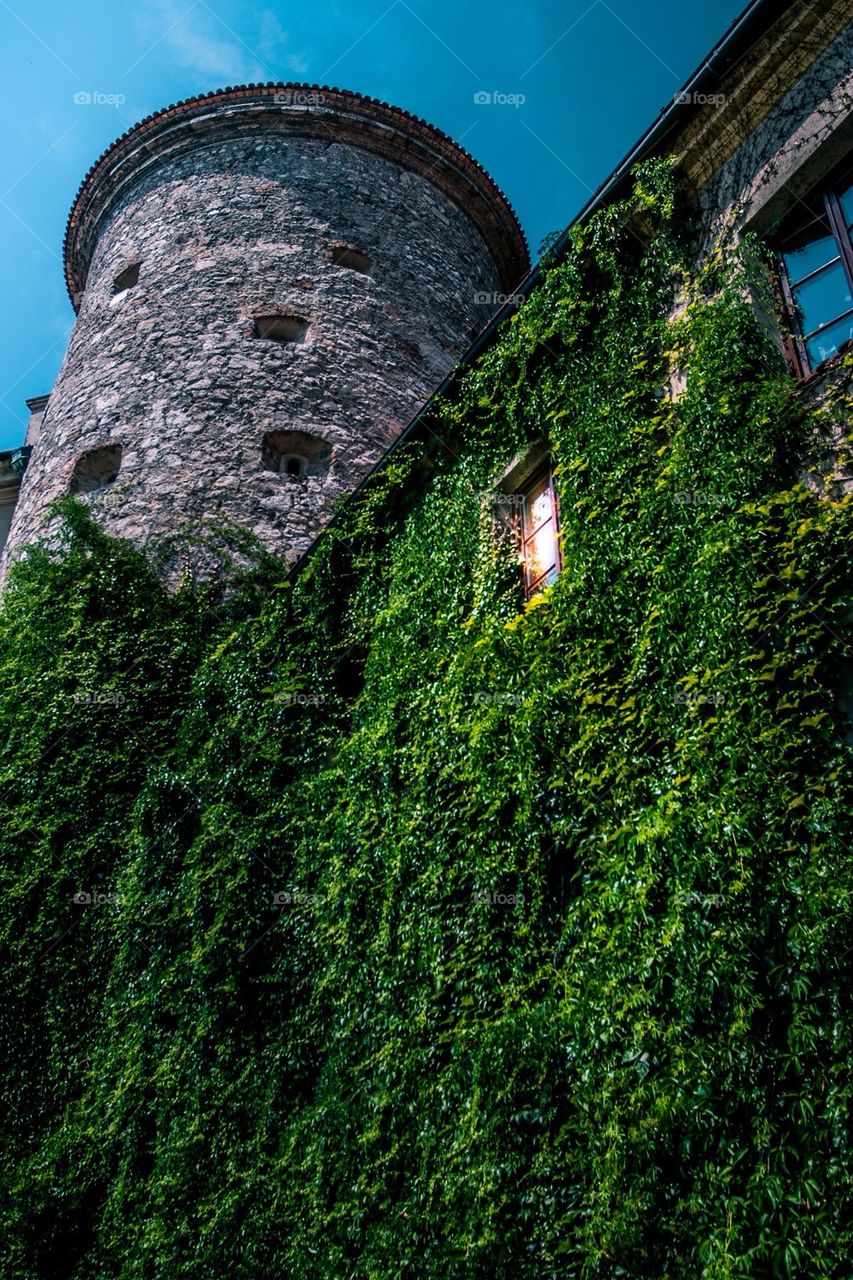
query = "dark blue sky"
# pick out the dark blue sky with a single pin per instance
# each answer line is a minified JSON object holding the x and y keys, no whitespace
{"x":593,"y":74}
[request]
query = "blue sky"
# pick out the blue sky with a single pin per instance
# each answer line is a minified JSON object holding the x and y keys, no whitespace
{"x":593,"y":74}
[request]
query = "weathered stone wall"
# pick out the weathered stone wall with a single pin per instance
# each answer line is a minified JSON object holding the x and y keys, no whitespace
{"x":808,"y":130}
{"x":782,"y":120}
{"x":228,"y":229}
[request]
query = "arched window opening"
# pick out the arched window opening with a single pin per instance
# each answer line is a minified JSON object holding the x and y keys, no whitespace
{"x":96,"y":469}
{"x":296,"y":454}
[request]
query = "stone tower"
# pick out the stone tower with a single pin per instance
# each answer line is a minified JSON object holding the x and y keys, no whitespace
{"x":269,"y":281}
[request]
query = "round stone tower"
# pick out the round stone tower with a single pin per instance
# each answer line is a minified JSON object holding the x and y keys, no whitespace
{"x":270,"y":281}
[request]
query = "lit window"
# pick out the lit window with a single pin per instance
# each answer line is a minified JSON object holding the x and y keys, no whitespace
{"x":539,"y":531}
{"x":816,"y":248}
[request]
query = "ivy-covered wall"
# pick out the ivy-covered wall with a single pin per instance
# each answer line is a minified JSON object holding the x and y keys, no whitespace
{"x":374,"y":925}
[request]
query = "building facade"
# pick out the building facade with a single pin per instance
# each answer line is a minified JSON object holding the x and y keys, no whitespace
{"x":410,"y":928}
{"x":271,"y":281}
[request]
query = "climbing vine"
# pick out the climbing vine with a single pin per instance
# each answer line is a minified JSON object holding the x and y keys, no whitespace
{"x":372,"y":923}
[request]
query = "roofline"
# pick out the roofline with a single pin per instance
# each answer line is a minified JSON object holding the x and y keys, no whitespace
{"x":740,"y":37}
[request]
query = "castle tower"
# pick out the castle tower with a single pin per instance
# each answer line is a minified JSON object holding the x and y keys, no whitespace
{"x":270,"y":281}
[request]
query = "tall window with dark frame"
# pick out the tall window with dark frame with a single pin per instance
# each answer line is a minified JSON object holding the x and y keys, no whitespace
{"x":539,"y":531}
{"x":816,"y":251}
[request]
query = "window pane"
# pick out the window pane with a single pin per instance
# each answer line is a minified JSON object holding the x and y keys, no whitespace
{"x":540,"y":552}
{"x":823,"y":298}
{"x":537,"y":505}
{"x":545,"y":581}
{"x":825,"y":344}
{"x":807,"y":255}
{"x":847,"y":206}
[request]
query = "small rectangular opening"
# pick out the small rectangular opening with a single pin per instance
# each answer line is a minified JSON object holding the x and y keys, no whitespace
{"x":344,"y":256}
{"x":126,"y":279}
{"x":281,"y":328}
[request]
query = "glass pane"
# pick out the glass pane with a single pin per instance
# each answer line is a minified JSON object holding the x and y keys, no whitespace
{"x":825,"y":344}
{"x":847,"y":206}
{"x":823,"y":297}
{"x":540,"y":552}
{"x":537,"y":505}
{"x":807,"y":257}
{"x":545,"y":581}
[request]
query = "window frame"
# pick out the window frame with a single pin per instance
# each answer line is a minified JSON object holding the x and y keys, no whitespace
{"x":829,"y":189}
{"x":509,"y":495}
{"x":543,"y":470}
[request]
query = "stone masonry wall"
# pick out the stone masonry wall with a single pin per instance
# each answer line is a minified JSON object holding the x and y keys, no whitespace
{"x":783,"y":123}
{"x":172,"y":371}
{"x":787,"y":149}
